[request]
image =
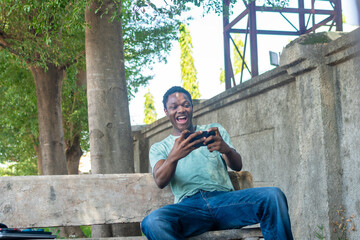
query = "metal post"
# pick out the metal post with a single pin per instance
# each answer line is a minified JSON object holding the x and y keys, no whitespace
{"x":226,"y":33}
{"x":253,"y":40}
{"x":338,"y":15}
{"x":301,"y":17}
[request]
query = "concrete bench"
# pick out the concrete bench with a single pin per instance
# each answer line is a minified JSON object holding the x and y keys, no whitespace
{"x":77,"y":200}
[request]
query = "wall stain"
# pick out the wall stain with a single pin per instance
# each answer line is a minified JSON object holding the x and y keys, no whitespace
{"x":52,"y":194}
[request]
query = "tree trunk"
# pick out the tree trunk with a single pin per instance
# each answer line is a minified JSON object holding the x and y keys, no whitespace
{"x":73,"y":155}
{"x":111,"y":146}
{"x":51,"y":152}
{"x":73,"y":149}
{"x":38,"y":157}
{"x":48,"y":91}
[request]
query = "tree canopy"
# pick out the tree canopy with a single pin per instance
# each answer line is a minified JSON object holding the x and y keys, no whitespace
{"x":149,"y":108}
{"x":43,"y":31}
{"x":188,"y":70}
{"x":35,"y":42}
{"x":18,"y":117}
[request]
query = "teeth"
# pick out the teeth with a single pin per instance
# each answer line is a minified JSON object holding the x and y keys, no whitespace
{"x":182,"y":117}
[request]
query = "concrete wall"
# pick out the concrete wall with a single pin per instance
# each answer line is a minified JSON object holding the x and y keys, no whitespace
{"x":297,"y":128}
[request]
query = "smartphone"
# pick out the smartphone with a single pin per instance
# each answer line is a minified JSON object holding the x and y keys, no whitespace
{"x":205,"y":134}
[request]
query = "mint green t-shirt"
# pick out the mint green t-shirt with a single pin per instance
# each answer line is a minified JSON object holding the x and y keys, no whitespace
{"x":200,"y":170}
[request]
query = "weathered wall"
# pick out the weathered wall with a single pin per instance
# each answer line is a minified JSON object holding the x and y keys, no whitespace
{"x":298,"y":128}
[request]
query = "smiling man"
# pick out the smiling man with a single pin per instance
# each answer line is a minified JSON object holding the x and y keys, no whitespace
{"x":204,"y":196}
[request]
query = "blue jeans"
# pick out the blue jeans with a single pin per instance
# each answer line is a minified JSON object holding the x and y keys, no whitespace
{"x":206,"y":211}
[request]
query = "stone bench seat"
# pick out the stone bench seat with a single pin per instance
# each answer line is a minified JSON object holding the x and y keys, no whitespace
{"x":77,"y":200}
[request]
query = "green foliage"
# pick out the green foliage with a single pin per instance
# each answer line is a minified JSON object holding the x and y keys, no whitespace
{"x":21,"y":168}
{"x":148,"y":33}
{"x":18,"y":116}
{"x":320,"y":235}
{"x":341,"y":225}
{"x":165,"y":9}
{"x":74,"y":109}
{"x":276,"y":3}
{"x":149,"y":108}
{"x":188,"y":71}
{"x":86,"y":230}
{"x":148,"y":37}
{"x":237,"y":59}
{"x":43,"y":31}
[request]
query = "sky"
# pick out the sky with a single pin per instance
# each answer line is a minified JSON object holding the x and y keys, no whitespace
{"x":207,"y":37}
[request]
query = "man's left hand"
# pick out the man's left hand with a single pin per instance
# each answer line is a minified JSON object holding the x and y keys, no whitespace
{"x":217,"y":143}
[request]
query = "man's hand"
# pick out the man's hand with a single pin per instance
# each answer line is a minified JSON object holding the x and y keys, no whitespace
{"x":217,"y":143}
{"x":164,"y":169}
{"x":183,"y":146}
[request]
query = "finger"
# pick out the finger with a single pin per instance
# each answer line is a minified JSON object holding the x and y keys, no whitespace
{"x":211,"y":147}
{"x":194,"y":136}
{"x":198,"y":141}
{"x":214,"y":129}
{"x":209,"y":140}
{"x":184,"y":134}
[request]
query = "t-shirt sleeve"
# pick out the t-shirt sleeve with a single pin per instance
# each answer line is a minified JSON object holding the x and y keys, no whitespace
{"x":156,"y":153}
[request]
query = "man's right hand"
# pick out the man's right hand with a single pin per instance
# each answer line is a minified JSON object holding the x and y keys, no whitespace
{"x":183,"y":145}
{"x":164,"y":169}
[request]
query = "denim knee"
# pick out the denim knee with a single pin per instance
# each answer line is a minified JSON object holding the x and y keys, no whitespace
{"x":146,"y":224}
{"x":154,"y":222}
{"x":274,"y":194}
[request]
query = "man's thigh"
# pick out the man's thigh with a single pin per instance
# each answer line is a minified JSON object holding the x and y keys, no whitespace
{"x":189,"y":219}
{"x":237,"y":208}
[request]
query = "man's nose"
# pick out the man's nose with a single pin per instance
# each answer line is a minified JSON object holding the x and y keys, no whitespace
{"x":181,"y":109}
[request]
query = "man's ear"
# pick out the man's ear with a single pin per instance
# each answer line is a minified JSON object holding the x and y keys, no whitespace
{"x":166,"y":112}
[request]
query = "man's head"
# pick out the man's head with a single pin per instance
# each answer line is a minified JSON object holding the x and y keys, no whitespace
{"x":174,"y":90}
{"x":178,"y":107}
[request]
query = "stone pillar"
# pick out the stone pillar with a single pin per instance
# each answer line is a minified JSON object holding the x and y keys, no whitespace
{"x":141,"y":150}
{"x":320,"y":171}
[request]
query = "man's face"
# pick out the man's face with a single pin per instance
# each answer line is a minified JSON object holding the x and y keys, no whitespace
{"x":179,"y":111}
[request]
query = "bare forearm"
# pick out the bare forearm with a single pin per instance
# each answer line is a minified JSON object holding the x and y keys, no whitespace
{"x":233,"y":159}
{"x":164,"y":172}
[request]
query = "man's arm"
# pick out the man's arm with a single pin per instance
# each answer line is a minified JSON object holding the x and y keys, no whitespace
{"x":230,"y":155}
{"x":164,"y":169}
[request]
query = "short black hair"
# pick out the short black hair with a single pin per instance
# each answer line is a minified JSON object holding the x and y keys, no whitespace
{"x":174,"y":90}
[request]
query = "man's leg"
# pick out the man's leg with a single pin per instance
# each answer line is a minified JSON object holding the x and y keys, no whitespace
{"x":178,"y":221}
{"x":267,"y":206}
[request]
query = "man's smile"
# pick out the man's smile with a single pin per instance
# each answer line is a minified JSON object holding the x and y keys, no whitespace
{"x":181,"y":119}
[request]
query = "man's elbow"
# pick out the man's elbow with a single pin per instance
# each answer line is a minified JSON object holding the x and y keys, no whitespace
{"x":237,"y":165}
{"x":160,"y":184}
{"x":237,"y":168}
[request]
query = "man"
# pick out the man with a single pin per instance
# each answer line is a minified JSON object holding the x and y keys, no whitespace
{"x":204,"y":196}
